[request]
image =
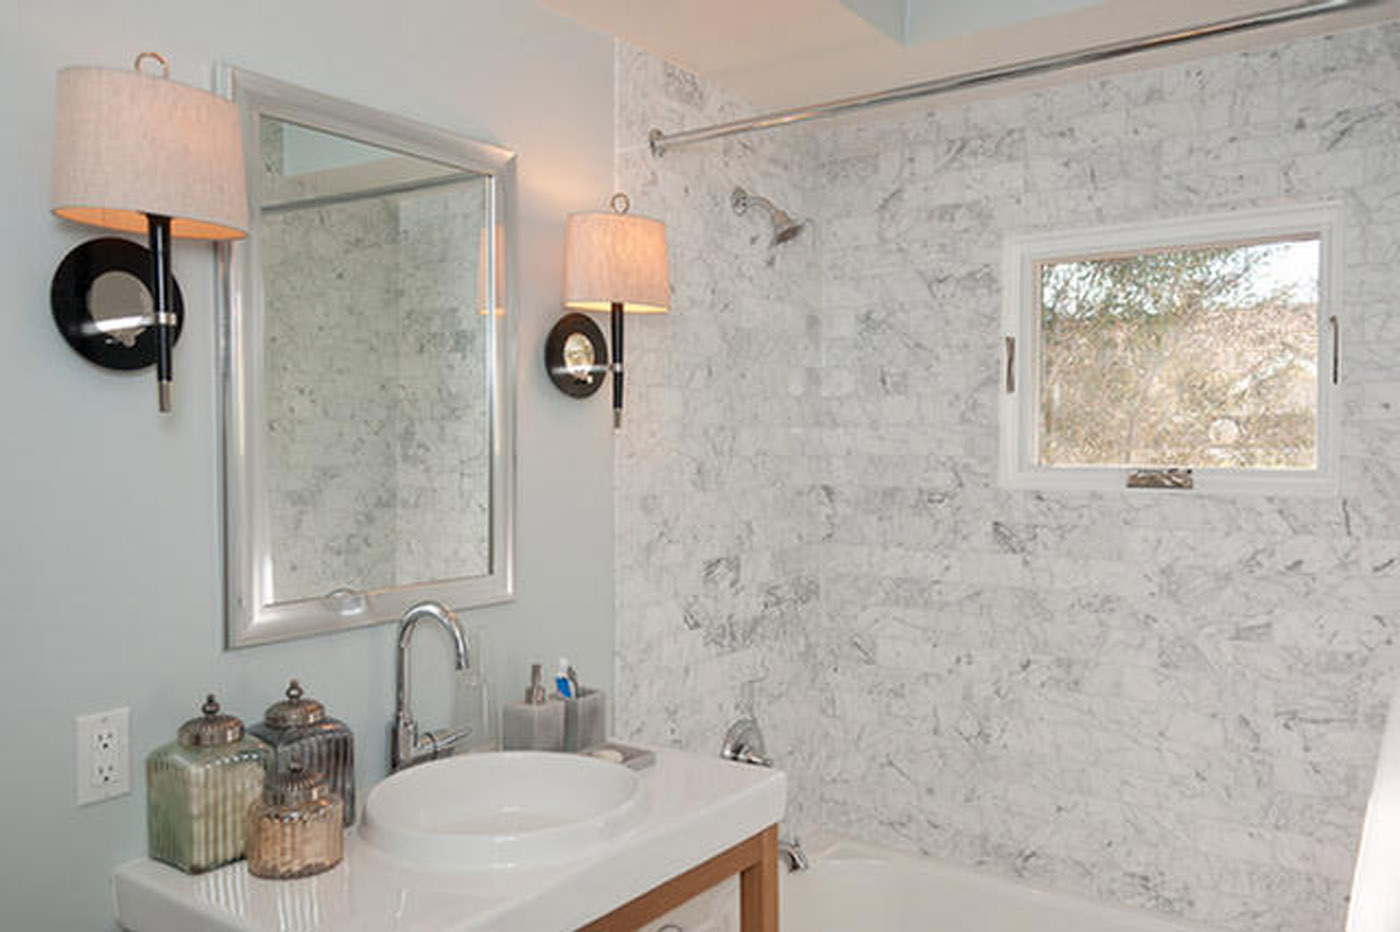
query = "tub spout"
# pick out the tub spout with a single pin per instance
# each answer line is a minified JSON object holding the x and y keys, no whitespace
{"x":791,"y":852}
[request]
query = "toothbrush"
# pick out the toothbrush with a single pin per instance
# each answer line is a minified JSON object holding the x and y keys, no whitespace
{"x":562,"y":681}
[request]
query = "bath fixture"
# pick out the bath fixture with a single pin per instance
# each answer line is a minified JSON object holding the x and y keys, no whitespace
{"x":101,"y":299}
{"x":743,"y":743}
{"x":408,"y":746}
{"x":784,"y":227}
{"x":791,"y":851}
{"x":136,"y":152}
{"x":660,"y":142}
{"x":576,"y":356}
{"x":616,"y":261}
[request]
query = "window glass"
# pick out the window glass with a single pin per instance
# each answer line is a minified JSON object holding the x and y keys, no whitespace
{"x":1199,"y":357}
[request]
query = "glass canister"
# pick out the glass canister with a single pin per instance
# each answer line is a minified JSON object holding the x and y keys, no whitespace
{"x":297,"y":829}
{"x":199,"y":788}
{"x":299,"y":727}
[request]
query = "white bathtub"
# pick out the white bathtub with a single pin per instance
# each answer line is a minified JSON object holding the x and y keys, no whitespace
{"x":857,"y":887}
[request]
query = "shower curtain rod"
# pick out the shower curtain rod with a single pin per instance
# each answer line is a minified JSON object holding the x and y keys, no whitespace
{"x":662,"y":142}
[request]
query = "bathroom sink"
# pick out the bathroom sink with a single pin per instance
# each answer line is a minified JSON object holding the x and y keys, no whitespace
{"x":504,"y":809}
{"x":689,"y":808}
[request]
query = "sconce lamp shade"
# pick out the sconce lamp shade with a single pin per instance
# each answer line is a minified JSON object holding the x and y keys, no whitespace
{"x":616,"y":258}
{"x":128,"y":145}
{"x":616,"y":262}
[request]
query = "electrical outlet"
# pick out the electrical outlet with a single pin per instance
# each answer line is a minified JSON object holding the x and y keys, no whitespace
{"x":104,"y":755}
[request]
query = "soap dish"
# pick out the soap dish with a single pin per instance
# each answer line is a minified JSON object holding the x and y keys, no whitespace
{"x":624,"y":754}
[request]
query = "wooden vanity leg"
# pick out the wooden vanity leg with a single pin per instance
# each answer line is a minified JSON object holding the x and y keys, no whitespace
{"x":758,"y":887}
{"x":755,"y":860}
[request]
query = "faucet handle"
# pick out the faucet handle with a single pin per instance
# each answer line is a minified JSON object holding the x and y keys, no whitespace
{"x":752,"y":759}
{"x":433,"y":743}
{"x":743,"y":743}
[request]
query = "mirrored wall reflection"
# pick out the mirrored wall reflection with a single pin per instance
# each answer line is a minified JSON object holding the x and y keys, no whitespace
{"x":376,"y":356}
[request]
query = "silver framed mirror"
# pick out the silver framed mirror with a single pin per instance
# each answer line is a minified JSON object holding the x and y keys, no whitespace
{"x":366,"y":349}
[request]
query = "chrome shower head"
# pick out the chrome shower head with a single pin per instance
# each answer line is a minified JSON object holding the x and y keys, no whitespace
{"x":784,"y":227}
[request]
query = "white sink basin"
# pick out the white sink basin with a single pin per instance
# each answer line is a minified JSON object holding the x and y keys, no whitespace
{"x":507,"y":809}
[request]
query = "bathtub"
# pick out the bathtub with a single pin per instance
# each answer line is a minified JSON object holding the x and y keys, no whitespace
{"x":857,"y":887}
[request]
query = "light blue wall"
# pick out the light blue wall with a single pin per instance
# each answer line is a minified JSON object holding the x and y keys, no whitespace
{"x":109,"y":549}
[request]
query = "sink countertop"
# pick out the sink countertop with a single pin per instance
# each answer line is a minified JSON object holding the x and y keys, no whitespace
{"x":693,"y":807}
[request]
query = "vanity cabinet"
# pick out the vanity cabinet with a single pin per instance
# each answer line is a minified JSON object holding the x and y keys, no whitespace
{"x":755,"y":860}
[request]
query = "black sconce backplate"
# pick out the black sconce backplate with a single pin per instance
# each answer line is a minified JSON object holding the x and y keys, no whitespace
{"x":101,"y":299}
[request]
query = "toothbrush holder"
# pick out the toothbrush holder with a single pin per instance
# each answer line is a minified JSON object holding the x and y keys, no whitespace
{"x":585,"y":720}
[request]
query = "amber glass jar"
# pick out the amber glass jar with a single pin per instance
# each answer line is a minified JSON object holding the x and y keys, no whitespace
{"x":199,"y":788}
{"x":297,"y":829}
{"x":299,"y":727}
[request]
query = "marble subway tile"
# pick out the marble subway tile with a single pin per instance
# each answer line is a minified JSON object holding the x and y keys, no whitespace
{"x":1170,"y":703}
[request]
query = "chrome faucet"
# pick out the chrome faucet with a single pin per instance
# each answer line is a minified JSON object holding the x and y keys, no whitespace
{"x":791,"y":851}
{"x":743,"y":743}
{"x":407,"y":746}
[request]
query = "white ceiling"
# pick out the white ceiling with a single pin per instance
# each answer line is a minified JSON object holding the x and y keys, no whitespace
{"x":793,"y":53}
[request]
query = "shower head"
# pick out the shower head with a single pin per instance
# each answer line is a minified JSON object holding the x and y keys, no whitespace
{"x":784,"y":227}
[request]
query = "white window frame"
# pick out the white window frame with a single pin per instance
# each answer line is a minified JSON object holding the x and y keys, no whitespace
{"x":1018,"y":384}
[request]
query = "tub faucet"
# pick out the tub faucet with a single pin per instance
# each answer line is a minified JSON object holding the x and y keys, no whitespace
{"x":407,"y":746}
{"x":791,"y":851}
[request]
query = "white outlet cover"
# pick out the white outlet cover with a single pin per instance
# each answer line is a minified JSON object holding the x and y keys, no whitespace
{"x":103,"y":746}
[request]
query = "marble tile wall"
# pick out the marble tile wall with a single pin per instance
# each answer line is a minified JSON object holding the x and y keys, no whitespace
{"x":1173,"y":703}
{"x":716,"y":529}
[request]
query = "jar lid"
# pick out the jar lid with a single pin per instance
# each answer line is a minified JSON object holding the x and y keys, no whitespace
{"x":211,"y":729}
{"x":294,"y":710}
{"x":297,"y":787}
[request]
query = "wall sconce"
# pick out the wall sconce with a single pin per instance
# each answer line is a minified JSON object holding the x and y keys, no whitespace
{"x":616,"y":261}
{"x":102,"y":304}
{"x":136,"y":152}
{"x":576,"y":355}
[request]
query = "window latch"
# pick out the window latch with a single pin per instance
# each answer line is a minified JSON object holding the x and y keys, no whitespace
{"x":1161,"y":479}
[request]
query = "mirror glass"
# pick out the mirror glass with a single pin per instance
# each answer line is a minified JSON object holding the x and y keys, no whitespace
{"x":375,"y":354}
{"x":367,"y":391}
{"x":120,"y":306}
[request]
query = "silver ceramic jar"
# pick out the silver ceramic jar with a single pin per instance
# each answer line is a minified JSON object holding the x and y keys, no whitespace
{"x":298,"y":727}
